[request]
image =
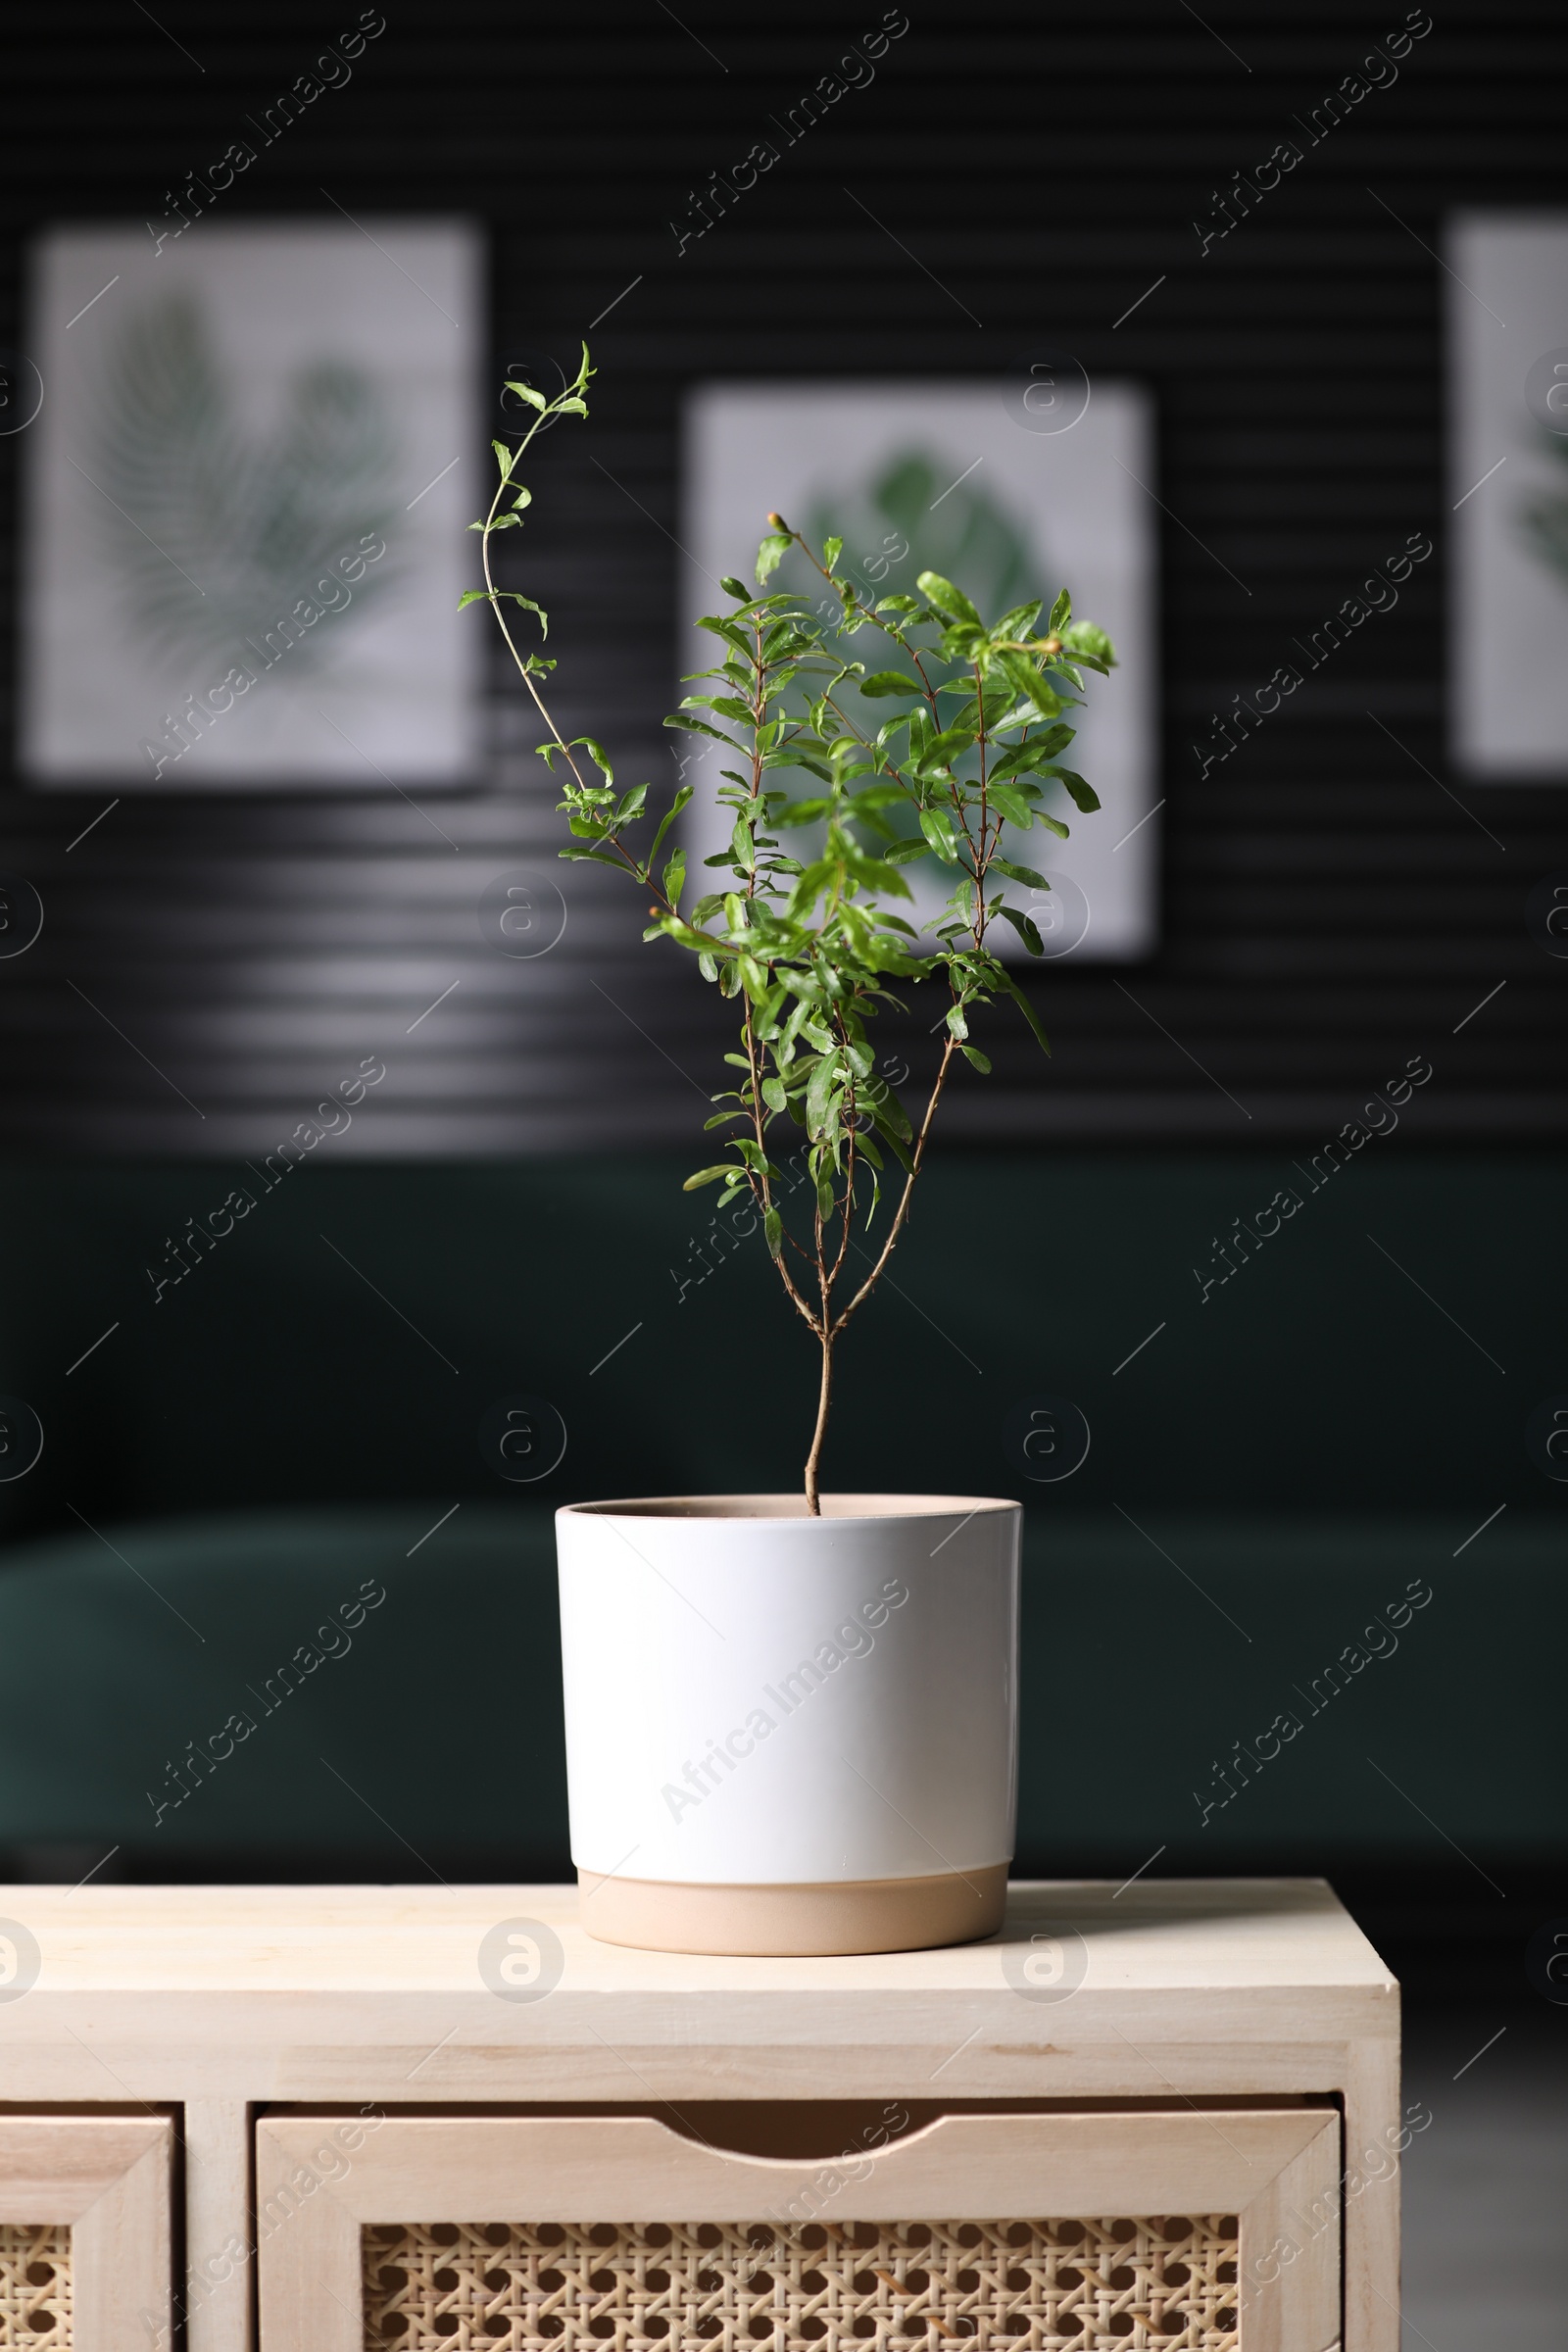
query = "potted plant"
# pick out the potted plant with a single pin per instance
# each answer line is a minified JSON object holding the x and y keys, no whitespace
{"x":792,"y":1719}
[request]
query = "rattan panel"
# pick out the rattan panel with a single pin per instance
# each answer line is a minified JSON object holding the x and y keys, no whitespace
{"x":34,"y":2287}
{"x":1055,"y":2285}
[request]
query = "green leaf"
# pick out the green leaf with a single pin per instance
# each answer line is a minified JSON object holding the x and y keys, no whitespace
{"x":676,"y":876}
{"x":891,"y":1117}
{"x":980,"y":1060}
{"x":889,"y":681}
{"x":944,"y":749}
{"x":733,"y":637}
{"x":771,"y":553}
{"x":1024,"y":928}
{"x":598,"y":755}
{"x":936,"y":826}
{"x":1032,"y":755}
{"x":897,"y":1147}
{"x":700,"y":726}
{"x":506,"y":458}
{"x":947,"y":598}
{"x":736,"y":588}
{"x":1027,"y":1009}
{"x":668,"y":818}
{"x":1018,"y":623}
{"x":773,"y":1228}
{"x":1060,"y":615}
{"x":1026,"y":681}
{"x":820,"y":1088}
{"x":905,"y":852}
{"x":599,"y":856}
{"x":1014,"y":807}
{"x":832,"y":549}
{"x":473,"y":596}
{"x":1082,"y":796}
{"x":706,"y":1176}
{"x":535,"y":400}
{"x":1021,"y":873}
{"x":528,"y":605}
{"x":1083,"y":638}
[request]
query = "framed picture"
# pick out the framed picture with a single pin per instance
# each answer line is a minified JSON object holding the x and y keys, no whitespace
{"x":1507,"y":304}
{"x":1012,"y":491}
{"x":244,"y":507}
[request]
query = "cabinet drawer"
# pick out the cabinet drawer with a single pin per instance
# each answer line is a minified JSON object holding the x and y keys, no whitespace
{"x":84,"y":2231}
{"x":1045,"y":2232}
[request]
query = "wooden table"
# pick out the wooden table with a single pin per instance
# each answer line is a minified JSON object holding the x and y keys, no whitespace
{"x":1165,"y":2114}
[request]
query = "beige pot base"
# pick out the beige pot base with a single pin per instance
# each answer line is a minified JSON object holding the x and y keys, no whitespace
{"x":863,"y":1915}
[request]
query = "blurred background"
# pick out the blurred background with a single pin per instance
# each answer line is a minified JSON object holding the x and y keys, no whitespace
{"x":1317,"y":297}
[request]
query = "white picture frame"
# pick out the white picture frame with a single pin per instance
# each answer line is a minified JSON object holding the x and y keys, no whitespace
{"x":244,"y":505}
{"x":1506,"y":292}
{"x":1023,"y":513}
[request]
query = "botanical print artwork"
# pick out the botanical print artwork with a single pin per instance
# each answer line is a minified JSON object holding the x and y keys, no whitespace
{"x":188,"y":494}
{"x":244,"y":492}
{"x":1506,"y":292}
{"x":942,"y":477}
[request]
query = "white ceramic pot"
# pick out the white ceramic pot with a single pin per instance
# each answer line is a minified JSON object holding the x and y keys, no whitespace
{"x":787,"y":1733}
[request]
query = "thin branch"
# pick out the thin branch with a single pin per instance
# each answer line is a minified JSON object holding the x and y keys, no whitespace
{"x":759,"y":1181}
{"x":506,"y":481}
{"x":949,"y":1049}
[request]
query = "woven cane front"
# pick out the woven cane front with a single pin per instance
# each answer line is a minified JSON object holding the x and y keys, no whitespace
{"x":1033,"y":2286}
{"x":34,"y":2287}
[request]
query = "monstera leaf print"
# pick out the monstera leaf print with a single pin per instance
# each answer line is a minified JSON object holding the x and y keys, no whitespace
{"x":1546,"y":517}
{"x":215,"y":534}
{"x":913,"y":518}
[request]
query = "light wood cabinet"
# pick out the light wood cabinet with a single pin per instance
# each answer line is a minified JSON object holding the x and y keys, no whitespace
{"x":1160,"y":2115}
{"x":84,"y":2231}
{"x":1060,"y":2229}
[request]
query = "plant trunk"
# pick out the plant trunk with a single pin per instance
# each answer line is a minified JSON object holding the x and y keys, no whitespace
{"x":814,"y":1458}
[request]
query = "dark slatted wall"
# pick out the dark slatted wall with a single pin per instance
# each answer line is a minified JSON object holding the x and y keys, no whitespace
{"x":1329,"y":908}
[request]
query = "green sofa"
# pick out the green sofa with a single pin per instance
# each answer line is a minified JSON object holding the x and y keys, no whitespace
{"x":1268,"y":1476}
